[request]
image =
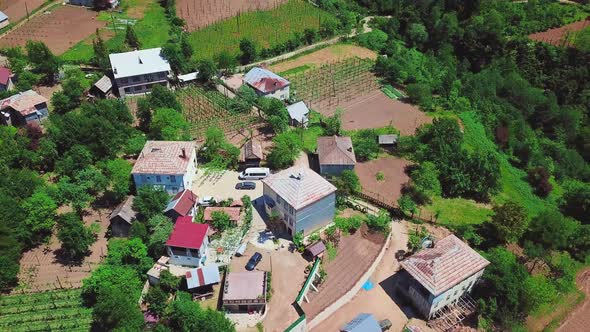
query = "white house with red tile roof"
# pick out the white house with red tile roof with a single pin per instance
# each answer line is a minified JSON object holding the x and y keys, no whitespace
{"x":267,"y":84}
{"x":187,"y":244}
{"x":441,"y":275}
{"x":169,"y":165}
{"x":184,"y":203}
{"x":301,"y":197}
{"x":23,"y":108}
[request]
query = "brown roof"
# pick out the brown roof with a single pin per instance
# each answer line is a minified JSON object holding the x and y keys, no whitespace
{"x":316,"y":248}
{"x":335,"y":150}
{"x":448,"y":263}
{"x":164,"y":157}
{"x":23,"y":102}
{"x":233,"y":212}
{"x":182,"y":202}
{"x":244,"y":285}
{"x":124,"y":210}
{"x":252,"y":149}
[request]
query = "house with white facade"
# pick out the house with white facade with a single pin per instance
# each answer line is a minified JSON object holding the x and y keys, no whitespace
{"x":187,"y":244}
{"x":183,"y":204}
{"x":136,"y":72}
{"x":298,"y":114}
{"x":169,"y":165}
{"x":267,"y":84}
{"x":303,"y":199}
{"x":440,"y":276}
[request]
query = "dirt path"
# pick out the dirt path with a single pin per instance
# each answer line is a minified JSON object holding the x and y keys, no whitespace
{"x":579,"y":319}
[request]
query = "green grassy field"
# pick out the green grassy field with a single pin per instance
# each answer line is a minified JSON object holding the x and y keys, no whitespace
{"x":582,"y":39}
{"x":265,"y":28}
{"x":152,"y":30}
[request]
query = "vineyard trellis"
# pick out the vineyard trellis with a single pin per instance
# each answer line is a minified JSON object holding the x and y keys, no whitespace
{"x":52,"y":310}
{"x":330,"y":85}
{"x":205,"y":109}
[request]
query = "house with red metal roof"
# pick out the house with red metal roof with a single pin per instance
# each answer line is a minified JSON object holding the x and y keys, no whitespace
{"x":182,"y":204}
{"x":267,"y":83}
{"x":169,"y":165}
{"x":301,"y":197}
{"x":442,"y":276}
{"x":6,"y":79}
{"x":187,"y":244}
{"x":23,"y":108}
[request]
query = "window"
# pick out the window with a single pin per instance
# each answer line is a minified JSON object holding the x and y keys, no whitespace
{"x":172,"y":178}
{"x":291,"y":210}
{"x":124,"y":80}
{"x":175,"y":189}
{"x":136,"y":78}
{"x":138,"y":88}
{"x":162,"y":75}
{"x":147,"y":77}
{"x":127,"y":90}
{"x":286,"y":206}
{"x":158,"y":178}
{"x":178,"y":251}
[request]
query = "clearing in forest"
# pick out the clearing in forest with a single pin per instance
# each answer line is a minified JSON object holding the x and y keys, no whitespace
{"x":48,"y":311}
{"x":562,"y":36}
{"x":59,"y":29}
{"x":265,"y":28}
{"x":204,"y":109}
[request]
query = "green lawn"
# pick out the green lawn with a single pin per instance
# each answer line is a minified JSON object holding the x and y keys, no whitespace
{"x":454,"y":211}
{"x":582,"y":39}
{"x":265,"y":28}
{"x":296,"y":70}
{"x":152,"y":30}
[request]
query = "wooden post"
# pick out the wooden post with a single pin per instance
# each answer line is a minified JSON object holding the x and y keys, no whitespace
{"x":57,"y":277}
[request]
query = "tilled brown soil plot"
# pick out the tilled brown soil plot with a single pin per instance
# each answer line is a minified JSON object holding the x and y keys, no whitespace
{"x":201,"y":13}
{"x":59,"y":29}
{"x":17,"y":9}
{"x":558,"y":36}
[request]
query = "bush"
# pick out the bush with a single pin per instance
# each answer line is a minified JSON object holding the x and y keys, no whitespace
{"x":349,"y":225}
{"x":380,"y":222}
{"x":347,"y":183}
{"x":538,"y":177}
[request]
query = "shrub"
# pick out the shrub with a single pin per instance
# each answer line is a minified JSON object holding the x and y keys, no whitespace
{"x":538,"y":177}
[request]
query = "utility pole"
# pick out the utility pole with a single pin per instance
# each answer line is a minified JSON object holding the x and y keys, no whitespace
{"x":27,"y":9}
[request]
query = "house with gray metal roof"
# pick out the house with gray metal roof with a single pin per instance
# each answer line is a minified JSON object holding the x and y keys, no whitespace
{"x":441,"y":276}
{"x":3,"y":20}
{"x":267,"y":84}
{"x":136,"y":72}
{"x":302,"y":198}
{"x":335,"y":154}
{"x":298,"y":114}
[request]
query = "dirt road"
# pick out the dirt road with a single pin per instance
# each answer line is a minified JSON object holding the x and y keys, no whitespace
{"x":579,"y":319}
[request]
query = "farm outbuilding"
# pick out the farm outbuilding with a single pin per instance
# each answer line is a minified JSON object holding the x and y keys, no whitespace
{"x":251,"y":154}
{"x":102,"y":88}
{"x":122,"y":218}
{"x":298,"y":114}
{"x":6,"y":79}
{"x":335,"y":154}
{"x":388,"y":140}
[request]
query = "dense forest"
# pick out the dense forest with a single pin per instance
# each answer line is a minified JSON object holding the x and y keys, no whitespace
{"x":471,"y":65}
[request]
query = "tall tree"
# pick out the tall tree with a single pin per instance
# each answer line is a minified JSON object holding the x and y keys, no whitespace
{"x":43,"y":60}
{"x":169,"y":125}
{"x":248,"y":50}
{"x":40,"y":209}
{"x":75,"y":238}
{"x":510,"y":221}
{"x":149,"y":202}
{"x":131,"y":38}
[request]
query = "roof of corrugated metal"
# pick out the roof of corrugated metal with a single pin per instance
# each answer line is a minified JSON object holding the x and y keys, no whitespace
{"x":138,"y":62}
{"x":264,"y":80}
{"x":125,"y":210}
{"x":23,"y":102}
{"x":335,"y":150}
{"x":182,"y":202}
{"x":299,"y":186}
{"x":298,"y":111}
{"x":448,"y":263}
{"x":203,"y":276}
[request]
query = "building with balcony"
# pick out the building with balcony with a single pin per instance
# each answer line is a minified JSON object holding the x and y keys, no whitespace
{"x":136,"y":72}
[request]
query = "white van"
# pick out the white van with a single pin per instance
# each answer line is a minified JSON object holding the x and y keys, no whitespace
{"x":254,"y":173}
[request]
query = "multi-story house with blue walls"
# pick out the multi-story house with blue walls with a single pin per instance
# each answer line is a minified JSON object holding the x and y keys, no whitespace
{"x":187,"y":244}
{"x":169,"y":165}
{"x":441,"y":275}
{"x":302,"y":198}
{"x":136,"y":72}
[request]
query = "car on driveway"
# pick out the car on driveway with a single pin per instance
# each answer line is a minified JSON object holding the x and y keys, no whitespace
{"x":246,"y":186}
{"x":254,"y":260}
{"x":206,"y":201}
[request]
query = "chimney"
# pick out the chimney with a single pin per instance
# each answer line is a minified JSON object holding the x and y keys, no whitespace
{"x":183,"y":155}
{"x":349,"y":149}
{"x":140,"y":62}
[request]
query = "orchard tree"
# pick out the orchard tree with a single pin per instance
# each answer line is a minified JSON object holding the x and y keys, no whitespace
{"x":75,"y":238}
{"x":41,"y":210}
{"x":226,"y":61}
{"x":156,"y":299}
{"x":347,"y":183}
{"x":206,"y":70}
{"x":150,"y":201}
{"x":118,"y":172}
{"x":552,"y":230}
{"x":43,"y":60}
{"x":169,"y":125}
{"x":221,"y":221}
{"x":509,"y":222}
{"x":333,"y":123}
{"x":160,"y":228}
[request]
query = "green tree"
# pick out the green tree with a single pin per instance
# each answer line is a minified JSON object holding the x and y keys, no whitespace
{"x":75,"y":238}
{"x":221,"y":221}
{"x":118,"y":172}
{"x":381,"y":222}
{"x":347,"y":183}
{"x":366,"y":145}
{"x":420,"y":94}
{"x":43,"y":60}
{"x":168,"y":281}
{"x":40,"y":210}
{"x":425,"y":178}
{"x":333,"y":124}
{"x":285,"y":150}
{"x":417,"y":34}
{"x":225,"y":60}
{"x":552,"y":230}
{"x":101,"y":53}
{"x":74,"y":160}
{"x":131,"y":38}
{"x":117,"y":310}
{"x":162,"y":97}
{"x":509,"y":222}
{"x":139,"y":231}
{"x":161,"y":228}
{"x":156,"y":299}
{"x":168,"y":125}
{"x":186,"y":315}
{"x":575,"y":201}
{"x":407,"y":205}
{"x":207,"y":70}
{"x":129,"y":252}
{"x":105,"y":276}
{"x":150,"y":201}
{"x":217,"y":151}
{"x":248,"y":50}
{"x":538,"y":291}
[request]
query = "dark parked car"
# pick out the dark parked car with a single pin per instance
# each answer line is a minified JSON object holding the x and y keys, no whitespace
{"x":246,"y":186}
{"x":254,"y":260}
{"x":385,"y":324}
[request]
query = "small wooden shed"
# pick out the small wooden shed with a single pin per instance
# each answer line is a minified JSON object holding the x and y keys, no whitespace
{"x":315,"y":250}
{"x":122,"y":217}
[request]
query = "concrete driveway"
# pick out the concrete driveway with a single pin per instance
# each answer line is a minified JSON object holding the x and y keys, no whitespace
{"x":221,"y":185}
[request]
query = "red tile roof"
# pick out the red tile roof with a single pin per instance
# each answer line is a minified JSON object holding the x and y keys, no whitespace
{"x":164,"y":157}
{"x":233,"y":212}
{"x":187,"y":234}
{"x":335,"y":150}
{"x":5,"y":75}
{"x":182,"y":203}
{"x":445,"y":265}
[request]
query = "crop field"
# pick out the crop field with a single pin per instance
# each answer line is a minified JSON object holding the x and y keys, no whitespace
{"x":60,"y":29}
{"x":331,"y":85}
{"x":17,"y":9}
{"x":204,"y":109}
{"x":562,"y":36}
{"x":48,"y":311}
{"x":201,"y":13}
{"x":264,"y":28}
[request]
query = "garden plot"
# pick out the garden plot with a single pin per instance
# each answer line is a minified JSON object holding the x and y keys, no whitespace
{"x":60,"y":29}
{"x":383,"y":178}
{"x":560,"y":36}
{"x":17,"y":9}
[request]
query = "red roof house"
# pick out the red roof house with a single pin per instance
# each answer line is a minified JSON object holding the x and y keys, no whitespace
{"x":267,"y":83}
{"x":5,"y":78}
{"x":182,"y":204}
{"x":187,"y":244}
